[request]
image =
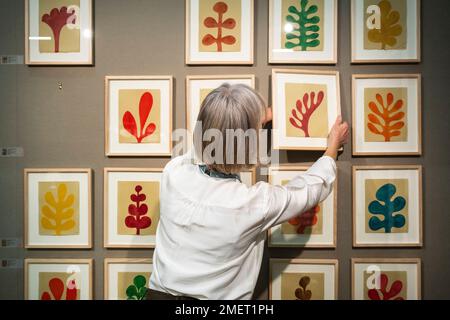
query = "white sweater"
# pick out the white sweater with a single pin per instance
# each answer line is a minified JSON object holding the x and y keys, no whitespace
{"x":211,"y":232}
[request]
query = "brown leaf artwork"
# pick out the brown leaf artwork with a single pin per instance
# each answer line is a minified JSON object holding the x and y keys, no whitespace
{"x":302,"y":293}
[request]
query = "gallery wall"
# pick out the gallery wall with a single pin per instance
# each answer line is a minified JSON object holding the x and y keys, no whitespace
{"x":57,"y":115}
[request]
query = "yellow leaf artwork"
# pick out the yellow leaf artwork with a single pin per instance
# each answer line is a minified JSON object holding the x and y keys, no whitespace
{"x":390,"y":26}
{"x":58,"y":212}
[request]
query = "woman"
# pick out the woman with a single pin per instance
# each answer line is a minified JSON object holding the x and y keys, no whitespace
{"x":210,"y":237}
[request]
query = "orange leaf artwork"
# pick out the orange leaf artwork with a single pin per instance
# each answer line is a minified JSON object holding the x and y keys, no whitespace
{"x":385,"y":119}
{"x":220,"y":8}
{"x":306,"y":219}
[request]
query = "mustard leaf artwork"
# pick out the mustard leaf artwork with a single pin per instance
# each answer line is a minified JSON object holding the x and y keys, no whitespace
{"x":390,"y":28}
{"x":58,"y":212}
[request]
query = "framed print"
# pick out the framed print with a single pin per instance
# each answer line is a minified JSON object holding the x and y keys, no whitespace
{"x":387,"y":206}
{"x":385,"y":31}
{"x":305,"y":105}
{"x":127,"y":279}
{"x":131,"y":202}
{"x":303,"y":31}
{"x":315,"y":228}
{"x":303,"y":279}
{"x":387,"y":117}
{"x":59,"y":32}
{"x":386,"y":279}
{"x":198,"y":87}
{"x":219,"y":32}
{"x":58,"y":279}
{"x":138,"y":114}
{"x":248,"y":177}
{"x":57,"y":205}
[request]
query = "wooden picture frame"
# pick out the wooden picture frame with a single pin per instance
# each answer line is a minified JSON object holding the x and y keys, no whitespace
{"x":233,"y":48}
{"x":45,"y":225}
{"x":397,"y":182}
{"x":290,"y":89}
{"x":398,"y":269}
{"x":198,"y":85}
{"x":61,"y":268}
{"x":326,"y":286}
{"x":276,"y":237}
{"x":125,"y":97}
{"x":405,"y":90}
{"x":118,"y":184}
{"x":113,"y":279}
{"x":326,"y":35}
{"x":403,"y":47}
{"x":73,"y":44}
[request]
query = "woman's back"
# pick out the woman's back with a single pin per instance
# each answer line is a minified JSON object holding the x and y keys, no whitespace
{"x":226,"y":218}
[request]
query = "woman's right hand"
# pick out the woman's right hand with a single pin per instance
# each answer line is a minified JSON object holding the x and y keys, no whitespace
{"x":337,"y":137}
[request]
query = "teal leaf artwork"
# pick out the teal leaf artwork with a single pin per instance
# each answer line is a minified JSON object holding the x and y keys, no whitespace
{"x":384,"y":195}
{"x":137,"y":290}
{"x":306,"y":34}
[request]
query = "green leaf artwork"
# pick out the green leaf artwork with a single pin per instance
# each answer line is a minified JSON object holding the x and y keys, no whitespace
{"x":307,"y":33}
{"x":385,"y":194}
{"x":137,"y":290}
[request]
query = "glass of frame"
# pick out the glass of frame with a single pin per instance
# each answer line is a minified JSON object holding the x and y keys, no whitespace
{"x":58,"y":279}
{"x":385,"y":31}
{"x":315,"y":228}
{"x":305,"y":106}
{"x":198,"y":87}
{"x":387,"y":206}
{"x":138,"y":114}
{"x":219,"y":32}
{"x":127,"y":279}
{"x":131,"y":202}
{"x":387,"y":114}
{"x":386,"y":279}
{"x":59,"y":32}
{"x":303,"y":279}
{"x":289,"y":43}
{"x":57,"y":205}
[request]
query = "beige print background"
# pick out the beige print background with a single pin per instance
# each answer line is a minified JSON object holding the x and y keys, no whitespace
{"x":125,"y":279}
{"x":392,"y":277}
{"x":45,"y":277}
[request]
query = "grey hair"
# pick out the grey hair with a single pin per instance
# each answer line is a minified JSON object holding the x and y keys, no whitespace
{"x":234,"y":111}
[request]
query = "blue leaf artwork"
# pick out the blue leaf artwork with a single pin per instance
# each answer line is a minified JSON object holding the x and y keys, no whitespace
{"x":384,"y":195}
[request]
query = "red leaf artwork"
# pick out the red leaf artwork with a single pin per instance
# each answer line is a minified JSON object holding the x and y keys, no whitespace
{"x":301,"y":115}
{"x":129,"y":122}
{"x":386,"y":294}
{"x":136,"y":218}
{"x":306,"y":219}
{"x":56,"y":20}
{"x":57,"y":287}
{"x":220,"y":24}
